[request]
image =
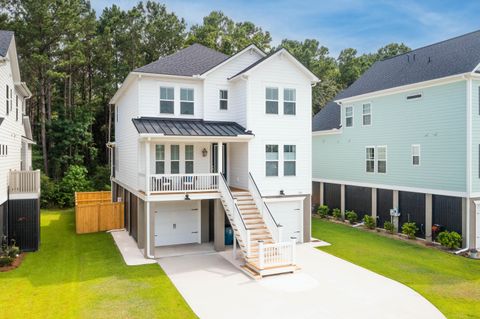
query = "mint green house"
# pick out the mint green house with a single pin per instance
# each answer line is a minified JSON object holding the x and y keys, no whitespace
{"x":406,"y":135}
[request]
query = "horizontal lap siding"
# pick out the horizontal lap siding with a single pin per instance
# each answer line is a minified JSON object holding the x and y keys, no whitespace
{"x":358,"y":199}
{"x":447,"y":212}
{"x":332,"y":195}
{"x":412,"y":209}
{"x":384,"y":204}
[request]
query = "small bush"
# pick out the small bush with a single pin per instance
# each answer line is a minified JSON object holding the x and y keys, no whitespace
{"x":409,"y":229}
{"x":369,"y":222}
{"x":337,"y":213}
{"x":323,"y":211}
{"x":450,"y":240}
{"x":6,"y":261}
{"x":351,"y":216}
{"x":389,"y":226}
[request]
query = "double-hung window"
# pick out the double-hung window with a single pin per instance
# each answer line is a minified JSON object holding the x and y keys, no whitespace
{"x":189,"y":157}
{"x":271,"y":100}
{"x":167,"y":100}
{"x":159,"y":159}
{"x":415,"y":155}
{"x":8,"y":99}
{"x":381,"y":159}
{"x":289,"y":160}
{"x":16,"y":107}
{"x":186,"y":101}
{"x":174,"y":159}
{"x":370,"y":159}
{"x":367,"y":114}
{"x":289,"y":101}
{"x":271,"y":163}
{"x":223,"y":95}
{"x":349,"y":116}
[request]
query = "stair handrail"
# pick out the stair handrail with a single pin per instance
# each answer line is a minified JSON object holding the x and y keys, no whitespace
{"x":275,"y":228}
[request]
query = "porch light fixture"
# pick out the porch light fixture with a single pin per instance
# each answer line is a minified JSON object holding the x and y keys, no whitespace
{"x":204,"y":152}
{"x":187,"y":197}
{"x":282,"y":193}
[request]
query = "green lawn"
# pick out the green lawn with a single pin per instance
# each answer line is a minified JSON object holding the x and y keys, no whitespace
{"x":450,"y":282}
{"x":84,"y":276}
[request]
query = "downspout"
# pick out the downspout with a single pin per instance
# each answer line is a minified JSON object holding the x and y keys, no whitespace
{"x":469,"y":156}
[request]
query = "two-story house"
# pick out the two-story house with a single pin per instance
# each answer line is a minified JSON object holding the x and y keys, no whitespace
{"x":406,"y":136}
{"x":204,"y":140}
{"x":19,"y":185}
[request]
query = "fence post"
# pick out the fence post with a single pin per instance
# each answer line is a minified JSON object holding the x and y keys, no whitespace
{"x":261,"y":254}
{"x":294,"y":243}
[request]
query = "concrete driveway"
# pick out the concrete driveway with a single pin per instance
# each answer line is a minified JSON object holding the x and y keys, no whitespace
{"x":325,"y":287}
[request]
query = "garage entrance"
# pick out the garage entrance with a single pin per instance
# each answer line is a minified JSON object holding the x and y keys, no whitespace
{"x":177,"y":223}
{"x":289,"y":215}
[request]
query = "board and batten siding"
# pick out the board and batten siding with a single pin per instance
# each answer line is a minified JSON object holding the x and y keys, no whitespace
{"x":436,"y":122}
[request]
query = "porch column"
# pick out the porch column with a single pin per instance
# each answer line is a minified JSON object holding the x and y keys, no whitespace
{"x":147,"y":167}
{"x":220,"y":157}
{"x":219,"y":227}
{"x":322,"y":199}
{"x":428,"y":217}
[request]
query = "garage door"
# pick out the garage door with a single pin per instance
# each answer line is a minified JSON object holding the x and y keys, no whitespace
{"x":289,"y":215}
{"x":177,"y":223}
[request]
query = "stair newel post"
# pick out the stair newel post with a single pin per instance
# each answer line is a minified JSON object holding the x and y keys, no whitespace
{"x":280,"y":232}
{"x":294,"y":243}
{"x":248,"y":244}
{"x":261,"y":254}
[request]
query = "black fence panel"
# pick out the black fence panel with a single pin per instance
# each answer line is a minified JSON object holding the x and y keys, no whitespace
{"x":447,"y":212}
{"x":384,"y":204}
{"x":358,"y":199}
{"x":315,"y":194}
{"x":332,"y":195}
{"x":3,"y":220}
{"x":134,"y":216}
{"x":412,"y":209}
{"x":24,"y":223}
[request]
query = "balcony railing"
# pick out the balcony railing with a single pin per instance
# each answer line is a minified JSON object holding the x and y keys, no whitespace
{"x":24,"y":182}
{"x":174,"y":183}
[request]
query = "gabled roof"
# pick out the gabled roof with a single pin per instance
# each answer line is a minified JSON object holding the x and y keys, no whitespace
{"x":328,"y":118}
{"x":5,"y":40}
{"x":193,"y":60}
{"x":187,"y":127}
{"x":447,"y":58}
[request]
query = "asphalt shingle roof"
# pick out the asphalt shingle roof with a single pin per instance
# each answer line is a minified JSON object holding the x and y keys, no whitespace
{"x":450,"y":57}
{"x":327,"y":119}
{"x":5,"y":39}
{"x":193,"y":60}
{"x":187,"y":127}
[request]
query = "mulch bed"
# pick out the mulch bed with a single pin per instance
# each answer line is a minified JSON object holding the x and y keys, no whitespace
{"x":16,"y":263}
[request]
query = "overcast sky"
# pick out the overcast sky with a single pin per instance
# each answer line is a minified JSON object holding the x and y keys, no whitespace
{"x":338,"y":24}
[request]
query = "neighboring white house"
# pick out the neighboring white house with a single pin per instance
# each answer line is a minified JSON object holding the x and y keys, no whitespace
{"x":204,"y":140}
{"x":19,"y":186}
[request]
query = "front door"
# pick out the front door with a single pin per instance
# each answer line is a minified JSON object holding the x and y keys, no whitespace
{"x":215,"y":159}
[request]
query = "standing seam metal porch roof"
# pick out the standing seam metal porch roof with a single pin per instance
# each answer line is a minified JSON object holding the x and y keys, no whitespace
{"x":187,"y":127}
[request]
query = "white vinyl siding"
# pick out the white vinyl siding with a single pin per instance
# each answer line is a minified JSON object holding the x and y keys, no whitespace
{"x":367,"y":114}
{"x":289,"y":101}
{"x":289,"y":160}
{"x":382,"y":159}
{"x":370,"y":159}
{"x":167,"y":100}
{"x":187,"y":101}
{"x":271,"y":160}
{"x":416,"y":155}
{"x":349,"y":116}
{"x":271,"y":100}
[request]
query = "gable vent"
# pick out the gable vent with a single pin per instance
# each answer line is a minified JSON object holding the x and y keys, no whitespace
{"x":415,"y":96}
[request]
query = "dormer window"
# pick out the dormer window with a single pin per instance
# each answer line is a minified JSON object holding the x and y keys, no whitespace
{"x":186,"y":101}
{"x":167,"y":98}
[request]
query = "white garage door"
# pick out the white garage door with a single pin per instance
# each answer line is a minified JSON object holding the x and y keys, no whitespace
{"x":289,"y":215}
{"x":177,"y":223}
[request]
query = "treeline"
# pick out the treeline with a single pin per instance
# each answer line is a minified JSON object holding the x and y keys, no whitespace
{"x":74,"y":60}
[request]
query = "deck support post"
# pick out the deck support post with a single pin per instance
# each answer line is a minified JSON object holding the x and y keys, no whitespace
{"x":342,"y":200}
{"x":322,"y":192}
{"x":374,"y":205}
{"x":219,"y":226}
{"x":428,"y":217}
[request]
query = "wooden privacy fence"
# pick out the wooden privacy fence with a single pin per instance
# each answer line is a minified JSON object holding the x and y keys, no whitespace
{"x":94,"y":213}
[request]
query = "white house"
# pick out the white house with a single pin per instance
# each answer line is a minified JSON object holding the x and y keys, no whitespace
{"x":204,"y":141}
{"x":19,"y":185}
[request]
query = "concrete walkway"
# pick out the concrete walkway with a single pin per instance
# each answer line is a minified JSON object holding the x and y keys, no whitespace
{"x":326,"y":287}
{"x":129,"y":250}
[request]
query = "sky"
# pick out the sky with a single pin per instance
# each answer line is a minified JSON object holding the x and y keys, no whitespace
{"x":338,"y":24}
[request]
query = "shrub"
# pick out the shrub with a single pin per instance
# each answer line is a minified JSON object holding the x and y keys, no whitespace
{"x":369,"y":222}
{"x":101,"y":178}
{"x":450,"y":240}
{"x":75,"y":180}
{"x":388,"y":226}
{"x":323,"y":211}
{"x":6,"y":261}
{"x":49,"y":192}
{"x":409,"y":229}
{"x":351,"y":216}
{"x":337,"y":213}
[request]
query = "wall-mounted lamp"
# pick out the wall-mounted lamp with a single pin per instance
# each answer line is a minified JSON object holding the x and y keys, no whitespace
{"x":282,"y":193}
{"x":204,"y":152}
{"x":187,"y":197}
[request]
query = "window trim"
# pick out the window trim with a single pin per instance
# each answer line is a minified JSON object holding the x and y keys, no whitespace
{"x":187,"y":101}
{"x":189,"y":160}
{"x":374,"y":159}
{"x":167,"y":100}
{"x":172,"y":160}
{"x":386,"y":158}
{"x":419,"y":154}
{"x":289,"y":161}
{"x":160,"y":160}
{"x":277,"y":160}
{"x":345,"y":115}
{"x":294,"y":101}
{"x":270,"y":100}
{"x":363,"y":114}
{"x":220,"y":99}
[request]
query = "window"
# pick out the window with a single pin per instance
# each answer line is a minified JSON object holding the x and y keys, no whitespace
{"x":271,"y":160}
{"x":189,"y":154}
{"x":271,"y":100}
{"x":223,"y":99}
{"x":16,"y":107}
{"x":159,"y":159}
{"x":289,"y":101}
{"x":415,"y":155}
{"x":186,"y":101}
{"x":3,"y":150}
{"x":167,"y":98}
{"x":370,"y":159}
{"x":349,"y":116}
{"x":289,"y":157}
{"x":381,"y":159}
{"x":116,"y":112}
{"x":174,"y":159}
{"x":367,"y":114}
{"x":8,"y":100}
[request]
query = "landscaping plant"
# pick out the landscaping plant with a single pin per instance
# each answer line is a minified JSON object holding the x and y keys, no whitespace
{"x":409,"y":229}
{"x":388,"y":226}
{"x":337,"y":213}
{"x":8,"y":253}
{"x":351,"y":216}
{"x":369,"y":222}
{"x":323,"y":211}
{"x":450,"y":240}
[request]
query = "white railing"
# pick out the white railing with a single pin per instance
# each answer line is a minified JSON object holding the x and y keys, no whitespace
{"x":171,"y":183}
{"x":272,"y":225}
{"x":278,"y":254}
{"x":234,"y":215}
{"x":23,"y":182}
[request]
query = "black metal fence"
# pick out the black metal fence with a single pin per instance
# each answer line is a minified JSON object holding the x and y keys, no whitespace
{"x":358,"y":199}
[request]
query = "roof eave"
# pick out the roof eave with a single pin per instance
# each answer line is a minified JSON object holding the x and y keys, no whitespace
{"x":149,"y":136}
{"x":328,"y":132}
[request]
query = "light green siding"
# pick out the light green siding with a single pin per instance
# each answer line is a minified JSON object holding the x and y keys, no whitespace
{"x":475,"y":136}
{"x":437,"y":122}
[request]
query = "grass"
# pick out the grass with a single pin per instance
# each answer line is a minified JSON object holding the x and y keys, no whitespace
{"x":451,"y":283}
{"x":84,"y":276}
